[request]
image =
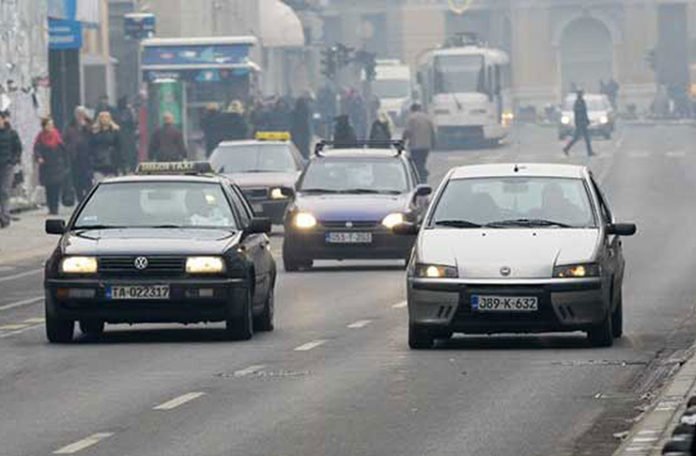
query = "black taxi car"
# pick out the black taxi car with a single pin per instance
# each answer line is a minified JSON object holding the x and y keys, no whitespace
{"x":174,"y":243}
{"x":348,"y":200}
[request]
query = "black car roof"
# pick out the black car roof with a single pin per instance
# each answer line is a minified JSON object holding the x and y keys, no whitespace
{"x":209,"y":178}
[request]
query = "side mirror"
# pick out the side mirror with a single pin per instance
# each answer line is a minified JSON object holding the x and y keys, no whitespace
{"x":55,"y":226}
{"x":423,"y":191}
{"x":622,"y":229}
{"x":259,"y":225}
{"x":406,"y":229}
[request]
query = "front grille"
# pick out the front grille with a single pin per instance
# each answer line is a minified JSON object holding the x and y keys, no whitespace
{"x":345,"y":224}
{"x":256,"y":193}
{"x":155,"y":265}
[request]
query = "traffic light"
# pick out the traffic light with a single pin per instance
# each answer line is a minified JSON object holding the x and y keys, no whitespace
{"x":329,"y":62}
{"x":651,"y":59}
{"x":368,"y":61}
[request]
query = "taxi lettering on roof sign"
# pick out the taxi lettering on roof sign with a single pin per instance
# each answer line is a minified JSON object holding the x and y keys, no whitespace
{"x":174,"y":168}
{"x":273,"y":136}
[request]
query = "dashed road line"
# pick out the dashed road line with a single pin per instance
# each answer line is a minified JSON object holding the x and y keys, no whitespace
{"x":401,"y":305}
{"x":19,"y":331}
{"x":310,"y":345}
{"x":35,"y":321}
{"x":179,"y":401}
{"x":23,"y":303}
{"x":359,"y":324}
{"x":20,"y":275}
{"x":13,"y":327}
{"x":84,"y":443}
{"x":249,"y":371}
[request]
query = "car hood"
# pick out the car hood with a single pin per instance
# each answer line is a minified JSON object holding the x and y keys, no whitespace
{"x":530,"y":254}
{"x":367,"y":208}
{"x":248,"y":180}
{"x":142,"y":241}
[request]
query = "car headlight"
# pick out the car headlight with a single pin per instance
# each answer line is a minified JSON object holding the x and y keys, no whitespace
{"x":565,"y":120}
{"x":79,"y":265}
{"x":434,"y":271}
{"x":604,"y":120}
{"x":392,"y":220}
{"x":205,"y":265}
{"x":577,"y":271}
{"x":277,"y":194}
{"x":305,"y":221}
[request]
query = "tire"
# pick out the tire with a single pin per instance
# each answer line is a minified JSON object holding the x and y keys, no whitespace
{"x":59,"y":331}
{"x":617,"y":317}
{"x":264,"y":322}
{"x":242,"y":327}
{"x":420,"y":338}
{"x":601,"y":335}
{"x":92,"y":328}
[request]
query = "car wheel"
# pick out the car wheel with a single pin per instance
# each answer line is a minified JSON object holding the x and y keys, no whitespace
{"x":420,"y":338}
{"x":92,"y":327}
{"x":264,"y":322}
{"x":59,"y":331}
{"x":242,"y":327}
{"x":601,"y":335}
{"x":617,"y":317}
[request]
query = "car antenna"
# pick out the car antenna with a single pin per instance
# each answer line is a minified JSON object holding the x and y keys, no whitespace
{"x":517,"y":168}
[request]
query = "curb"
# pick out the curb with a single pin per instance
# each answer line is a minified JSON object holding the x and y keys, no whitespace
{"x":649,"y":435}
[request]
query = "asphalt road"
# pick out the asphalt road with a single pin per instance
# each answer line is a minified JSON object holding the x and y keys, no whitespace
{"x":337,"y":378}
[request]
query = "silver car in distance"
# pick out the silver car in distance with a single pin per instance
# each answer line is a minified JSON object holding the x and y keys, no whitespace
{"x":527,"y":248}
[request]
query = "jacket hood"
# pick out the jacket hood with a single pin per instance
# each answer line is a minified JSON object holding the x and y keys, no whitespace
{"x":361,"y":208}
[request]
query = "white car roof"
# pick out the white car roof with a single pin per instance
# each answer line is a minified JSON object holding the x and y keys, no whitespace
{"x":519,"y":169}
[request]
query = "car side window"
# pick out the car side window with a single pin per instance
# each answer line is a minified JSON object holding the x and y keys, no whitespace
{"x":242,"y":206}
{"x":603,"y":206}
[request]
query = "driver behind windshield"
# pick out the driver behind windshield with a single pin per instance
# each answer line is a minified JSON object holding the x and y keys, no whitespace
{"x":202,"y":210}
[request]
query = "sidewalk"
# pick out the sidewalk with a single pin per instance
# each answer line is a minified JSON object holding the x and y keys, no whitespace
{"x":25,"y":239}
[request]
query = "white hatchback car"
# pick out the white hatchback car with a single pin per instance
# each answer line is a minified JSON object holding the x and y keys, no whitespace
{"x":515,"y":248}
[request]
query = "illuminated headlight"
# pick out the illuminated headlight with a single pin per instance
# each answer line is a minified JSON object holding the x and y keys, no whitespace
{"x":565,"y":120}
{"x":305,"y":221}
{"x":392,"y":220}
{"x":205,"y":265}
{"x":577,"y":271}
{"x":277,"y":194}
{"x":434,"y":271}
{"x":604,"y":120}
{"x":79,"y":265}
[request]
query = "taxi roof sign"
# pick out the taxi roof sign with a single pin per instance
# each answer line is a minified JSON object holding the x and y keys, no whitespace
{"x":273,"y":136}
{"x":174,"y":168}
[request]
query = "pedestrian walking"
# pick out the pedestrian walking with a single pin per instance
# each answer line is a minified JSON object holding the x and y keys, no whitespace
{"x":279,"y":117}
{"x":381,"y":130}
{"x":126,"y":119}
{"x":9,"y":158}
{"x":582,"y":125}
{"x":344,"y":135}
{"x":76,"y":138}
{"x":234,"y":125}
{"x":50,"y":155}
{"x":301,"y":126}
{"x":17,"y":175}
{"x":211,"y":125}
{"x":420,"y":137}
{"x":105,"y":146}
{"x":167,"y":142}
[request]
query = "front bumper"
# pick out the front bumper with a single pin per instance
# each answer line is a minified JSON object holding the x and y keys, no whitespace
{"x":190,"y":300}
{"x":564,"y":305}
{"x":312,"y":245}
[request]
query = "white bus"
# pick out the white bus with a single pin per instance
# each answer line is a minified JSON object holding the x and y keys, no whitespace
{"x":466,"y":90}
{"x":394,"y":88}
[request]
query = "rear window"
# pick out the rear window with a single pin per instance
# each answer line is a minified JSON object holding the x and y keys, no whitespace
{"x":348,"y":175}
{"x":253,"y":158}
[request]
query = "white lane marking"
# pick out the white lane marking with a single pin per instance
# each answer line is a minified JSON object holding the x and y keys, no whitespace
{"x":676,"y":154}
{"x":179,"y":401}
{"x":84,"y":443}
{"x":13,"y":327}
{"x":359,"y":324}
{"x":20,"y":331}
{"x":249,"y":370}
{"x":20,"y":275}
{"x":644,"y":439}
{"x":649,"y":432}
{"x":310,"y":345}
{"x":23,"y":303}
{"x":35,"y":321}
{"x":401,"y":305}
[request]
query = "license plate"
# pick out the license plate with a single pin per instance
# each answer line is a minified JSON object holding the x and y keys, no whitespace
{"x":137,"y":292}
{"x":349,"y":238}
{"x":257,"y":208}
{"x":504,"y":304}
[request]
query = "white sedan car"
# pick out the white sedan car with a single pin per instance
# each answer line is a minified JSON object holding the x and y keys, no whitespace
{"x":514,"y":249}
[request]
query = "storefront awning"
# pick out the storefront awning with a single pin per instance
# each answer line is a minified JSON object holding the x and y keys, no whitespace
{"x":280,"y":26}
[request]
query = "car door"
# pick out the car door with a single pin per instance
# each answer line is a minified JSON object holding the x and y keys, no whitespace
{"x":257,"y":247}
{"x":614,"y":261}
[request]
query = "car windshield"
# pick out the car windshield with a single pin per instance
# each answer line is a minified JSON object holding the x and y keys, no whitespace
{"x":253,"y":158}
{"x":514,"y":202}
{"x":391,"y":88}
{"x":355,"y":175}
{"x":157,"y":205}
{"x":593,"y":103}
{"x":459,"y":74}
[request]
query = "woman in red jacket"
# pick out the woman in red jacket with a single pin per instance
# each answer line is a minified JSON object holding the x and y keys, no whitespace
{"x":50,"y":154}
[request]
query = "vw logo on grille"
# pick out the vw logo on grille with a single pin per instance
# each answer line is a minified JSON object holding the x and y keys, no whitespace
{"x":140,"y":263}
{"x":349,"y":224}
{"x":505,"y":271}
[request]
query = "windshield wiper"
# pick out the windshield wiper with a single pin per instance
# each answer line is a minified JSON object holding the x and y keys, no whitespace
{"x":164,"y":226}
{"x":318,"y":190}
{"x":524,"y":222}
{"x":98,"y":227}
{"x":457,"y":224}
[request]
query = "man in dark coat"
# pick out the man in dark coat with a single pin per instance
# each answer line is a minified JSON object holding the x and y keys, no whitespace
{"x":582,"y":124}
{"x":211,"y":124}
{"x":301,"y":126}
{"x":167,"y":143}
{"x":343,"y":133}
{"x":234,"y":125}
